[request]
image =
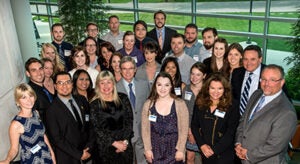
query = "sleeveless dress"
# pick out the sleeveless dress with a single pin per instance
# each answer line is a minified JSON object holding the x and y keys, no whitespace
{"x":33,"y":136}
{"x":164,"y":136}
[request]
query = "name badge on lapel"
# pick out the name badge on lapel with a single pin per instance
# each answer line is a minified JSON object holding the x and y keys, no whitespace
{"x":87,"y":118}
{"x":188,"y":95}
{"x":35,"y":148}
{"x":152,"y":118}
{"x":219,"y":113}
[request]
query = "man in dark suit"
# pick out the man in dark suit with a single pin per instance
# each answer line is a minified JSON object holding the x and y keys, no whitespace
{"x":140,"y":92}
{"x":35,"y":72}
{"x":161,"y":34}
{"x":268,"y":123}
{"x":252,"y":64}
{"x":63,"y":48}
{"x":67,"y":123}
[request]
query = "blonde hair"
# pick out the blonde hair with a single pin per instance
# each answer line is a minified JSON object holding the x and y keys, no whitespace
{"x":57,"y":65}
{"x":21,"y":89}
{"x":106,"y":75}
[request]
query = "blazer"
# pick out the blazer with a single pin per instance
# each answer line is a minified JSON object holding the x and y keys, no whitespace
{"x":167,"y":42}
{"x":141,"y":94}
{"x":267,"y":135}
{"x":67,"y":139}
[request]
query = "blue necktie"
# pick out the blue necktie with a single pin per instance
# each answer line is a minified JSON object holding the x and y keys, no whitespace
{"x":245,"y":94}
{"x":131,"y":95}
{"x":50,"y":98}
{"x":258,"y":107}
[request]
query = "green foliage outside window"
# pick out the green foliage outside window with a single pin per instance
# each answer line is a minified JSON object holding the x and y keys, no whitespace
{"x":293,"y":75}
{"x":75,"y":15}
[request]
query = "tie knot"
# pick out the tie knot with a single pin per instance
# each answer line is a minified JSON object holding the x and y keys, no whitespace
{"x":70,"y":101}
{"x":130,"y":85}
{"x":251,"y":73}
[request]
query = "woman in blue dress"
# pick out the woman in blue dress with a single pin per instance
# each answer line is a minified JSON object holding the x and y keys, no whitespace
{"x":165,"y":123}
{"x":27,"y":130}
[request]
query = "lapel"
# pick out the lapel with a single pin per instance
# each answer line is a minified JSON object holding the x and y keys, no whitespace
{"x":267,"y":107}
{"x":250,"y":107}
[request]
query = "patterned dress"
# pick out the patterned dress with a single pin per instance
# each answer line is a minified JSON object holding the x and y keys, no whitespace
{"x":164,"y":136}
{"x":33,"y":136}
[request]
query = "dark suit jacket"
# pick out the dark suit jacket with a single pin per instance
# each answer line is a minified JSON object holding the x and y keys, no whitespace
{"x":237,"y":78}
{"x":42,"y":102}
{"x":267,"y":135}
{"x":67,"y":139}
{"x":167,"y":42}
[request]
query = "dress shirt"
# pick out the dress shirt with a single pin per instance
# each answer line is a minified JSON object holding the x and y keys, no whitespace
{"x":127,"y":87}
{"x":255,"y":81}
{"x":116,"y":41}
{"x":194,"y":51}
{"x":162,"y":33}
{"x":67,"y":103}
{"x":204,"y":53}
{"x":136,"y":54}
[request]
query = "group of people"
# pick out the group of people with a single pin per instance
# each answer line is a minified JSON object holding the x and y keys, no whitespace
{"x":151,"y":97}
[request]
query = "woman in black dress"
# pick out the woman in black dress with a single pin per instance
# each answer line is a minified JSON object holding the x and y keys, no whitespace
{"x":215,"y":120}
{"x":111,"y":116}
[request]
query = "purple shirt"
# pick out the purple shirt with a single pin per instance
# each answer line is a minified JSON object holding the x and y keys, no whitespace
{"x":136,"y":54}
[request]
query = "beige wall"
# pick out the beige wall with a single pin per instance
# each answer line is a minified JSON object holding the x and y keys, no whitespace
{"x":17,"y":43}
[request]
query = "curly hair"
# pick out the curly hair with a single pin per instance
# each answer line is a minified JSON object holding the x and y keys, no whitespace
{"x":203,"y":98}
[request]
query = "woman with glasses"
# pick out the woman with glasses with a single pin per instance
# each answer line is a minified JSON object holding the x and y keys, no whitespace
{"x":90,"y":45}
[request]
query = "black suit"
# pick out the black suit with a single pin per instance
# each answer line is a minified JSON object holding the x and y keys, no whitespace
{"x":167,"y":41}
{"x":67,"y":139}
{"x":42,"y":102}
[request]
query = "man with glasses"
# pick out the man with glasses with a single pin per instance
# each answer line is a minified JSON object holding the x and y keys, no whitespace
{"x":268,"y":123}
{"x":67,"y":122}
{"x":137,"y":91}
{"x":92,"y":30}
{"x":35,"y":73}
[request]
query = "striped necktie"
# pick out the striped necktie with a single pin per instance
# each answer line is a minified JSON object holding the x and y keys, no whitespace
{"x":245,"y":94}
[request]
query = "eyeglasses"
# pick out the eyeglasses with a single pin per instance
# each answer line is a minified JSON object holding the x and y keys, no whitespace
{"x":61,"y":83}
{"x":270,"y":81}
{"x":92,"y":30}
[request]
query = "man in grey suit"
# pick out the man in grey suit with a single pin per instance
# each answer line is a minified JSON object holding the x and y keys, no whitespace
{"x":269,"y":121}
{"x":137,"y":91}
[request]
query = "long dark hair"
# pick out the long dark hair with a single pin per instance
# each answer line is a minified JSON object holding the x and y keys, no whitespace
{"x":177,"y":80}
{"x":101,"y":59}
{"x":203,"y":99}
{"x":90,"y":90}
{"x":153,"y":94}
{"x":213,"y":64}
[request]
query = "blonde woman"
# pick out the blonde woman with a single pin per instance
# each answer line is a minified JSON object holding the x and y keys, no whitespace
{"x":112,"y":119}
{"x":27,"y":130}
{"x":50,"y":51}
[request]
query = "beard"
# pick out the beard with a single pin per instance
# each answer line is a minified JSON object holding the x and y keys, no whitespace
{"x":191,"y":41}
{"x":208,"y":46}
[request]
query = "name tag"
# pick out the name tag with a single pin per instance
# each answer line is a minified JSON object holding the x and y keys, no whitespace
{"x":188,"y":95}
{"x":120,"y":41}
{"x":219,"y":113}
{"x":87,"y":118}
{"x":67,"y":53}
{"x":177,"y":91}
{"x":135,"y":59}
{"x":152,"y":118}
{"x":196,"y":57}
{"x":35,"y":149}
